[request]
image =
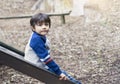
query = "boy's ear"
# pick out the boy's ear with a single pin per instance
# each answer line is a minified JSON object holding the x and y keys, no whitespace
{"x":33,"y":28}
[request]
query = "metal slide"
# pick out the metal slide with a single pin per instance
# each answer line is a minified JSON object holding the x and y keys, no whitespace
{"x":14,"y":59}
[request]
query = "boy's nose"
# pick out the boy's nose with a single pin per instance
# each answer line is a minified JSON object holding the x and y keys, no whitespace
{"x":43,"y":26}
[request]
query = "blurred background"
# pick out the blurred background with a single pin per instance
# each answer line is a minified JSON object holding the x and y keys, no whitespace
{"x":87,"y":46}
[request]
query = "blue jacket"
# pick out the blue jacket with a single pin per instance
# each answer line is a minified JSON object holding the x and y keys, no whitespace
{"x":39,"y":46}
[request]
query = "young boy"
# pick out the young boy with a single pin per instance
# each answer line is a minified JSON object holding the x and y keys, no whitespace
{"x":37,"y":50}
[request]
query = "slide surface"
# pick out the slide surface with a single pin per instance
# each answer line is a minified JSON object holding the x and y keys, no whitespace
{"x":14,"y":59}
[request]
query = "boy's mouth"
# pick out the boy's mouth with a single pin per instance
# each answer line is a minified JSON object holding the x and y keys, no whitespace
{"x":45,"y":31}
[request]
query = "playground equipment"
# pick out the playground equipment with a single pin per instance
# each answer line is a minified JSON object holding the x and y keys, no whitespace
{"x":14,"y":58}
{"x":62,"y":15}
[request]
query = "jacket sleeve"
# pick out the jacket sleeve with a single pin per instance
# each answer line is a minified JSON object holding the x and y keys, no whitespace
{"x":39,"y":48}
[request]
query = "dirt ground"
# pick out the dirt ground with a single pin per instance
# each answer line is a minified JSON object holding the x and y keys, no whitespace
{"x":86,"y":47}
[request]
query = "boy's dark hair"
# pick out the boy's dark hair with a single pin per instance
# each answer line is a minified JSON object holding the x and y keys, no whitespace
{"x":39,"y":18}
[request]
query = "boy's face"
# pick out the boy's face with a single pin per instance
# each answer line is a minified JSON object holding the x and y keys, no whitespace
{"x":42,"y":28}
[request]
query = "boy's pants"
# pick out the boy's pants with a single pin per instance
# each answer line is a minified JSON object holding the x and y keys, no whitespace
{"x":68,"y":76}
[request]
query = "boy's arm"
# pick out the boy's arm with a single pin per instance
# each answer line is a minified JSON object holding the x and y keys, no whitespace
{"x":52,"y":65}
{"x":39,"y":48}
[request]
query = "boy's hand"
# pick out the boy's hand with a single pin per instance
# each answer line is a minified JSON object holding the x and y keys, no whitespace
{"x":63,"y":77}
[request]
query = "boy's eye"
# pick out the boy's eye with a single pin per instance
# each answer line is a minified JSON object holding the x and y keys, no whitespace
{"x":46,"y":24}
{"x":40,"y":24}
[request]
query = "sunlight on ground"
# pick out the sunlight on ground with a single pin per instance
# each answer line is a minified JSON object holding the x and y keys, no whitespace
{"x":98,"y":4}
